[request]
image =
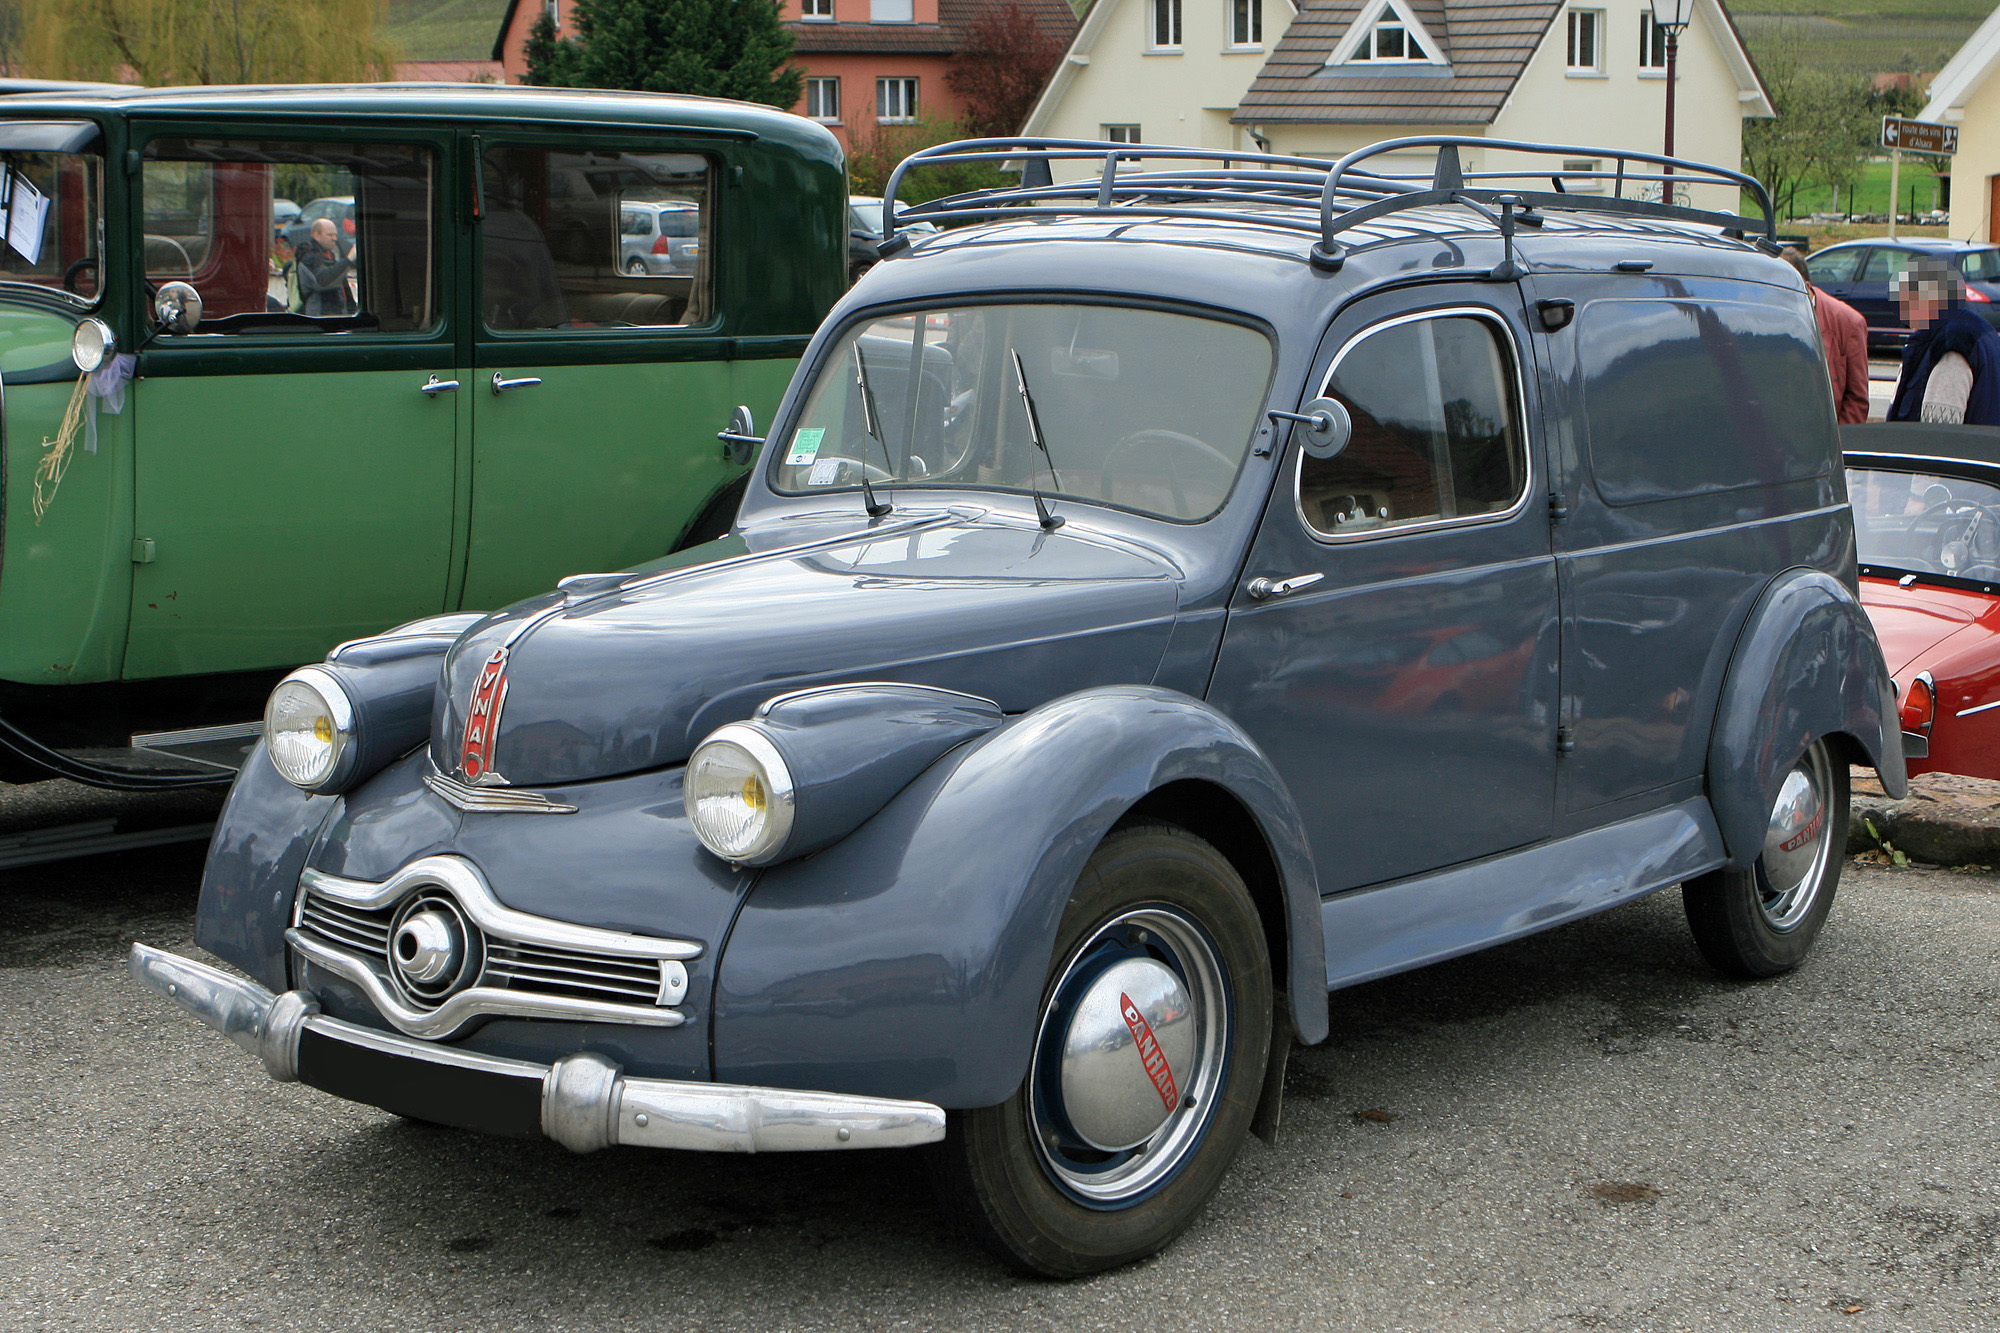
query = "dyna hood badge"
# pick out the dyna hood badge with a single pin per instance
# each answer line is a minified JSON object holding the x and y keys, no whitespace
{"x":482,"y":722}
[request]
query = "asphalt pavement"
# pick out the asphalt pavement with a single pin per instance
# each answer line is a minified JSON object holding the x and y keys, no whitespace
{"x":1584,"y":1130}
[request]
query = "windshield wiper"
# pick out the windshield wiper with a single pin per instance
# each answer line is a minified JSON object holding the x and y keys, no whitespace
{"x":1050,"y":522}
{"x":876,"y":508}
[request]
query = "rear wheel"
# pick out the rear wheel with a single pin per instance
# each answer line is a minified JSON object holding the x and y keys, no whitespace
{"x":1149,"y":1058}
{"x":1762,"y":921}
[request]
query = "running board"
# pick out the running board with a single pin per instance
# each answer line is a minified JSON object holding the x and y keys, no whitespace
{"x":224,"y":747}
{"x":1411,"y":923}
{"x":89,"y":839}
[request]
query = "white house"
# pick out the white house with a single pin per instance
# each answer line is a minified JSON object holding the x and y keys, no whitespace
{"x":1964,"y":94}
{"x":1346,"y":73}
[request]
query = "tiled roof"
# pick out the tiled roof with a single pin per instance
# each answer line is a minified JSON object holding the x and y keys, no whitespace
{"x":1487,"y":42}
{"x":943,"y":38}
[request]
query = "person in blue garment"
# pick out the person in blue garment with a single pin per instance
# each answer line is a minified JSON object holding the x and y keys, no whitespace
{"x":1951,"y":367}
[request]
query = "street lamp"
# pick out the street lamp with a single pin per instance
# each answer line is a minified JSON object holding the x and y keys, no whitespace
{"x":1672,"y":16}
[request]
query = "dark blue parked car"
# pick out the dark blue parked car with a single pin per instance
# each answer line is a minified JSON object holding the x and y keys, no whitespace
{"x":1863,"y":274}
{"x":1158,"y":602}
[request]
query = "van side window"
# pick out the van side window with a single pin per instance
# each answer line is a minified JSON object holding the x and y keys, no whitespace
{"x":1690,"y":397}
{"x":359,"y":256}
{"x":1437,"y":433}
{"x":579,"y":240}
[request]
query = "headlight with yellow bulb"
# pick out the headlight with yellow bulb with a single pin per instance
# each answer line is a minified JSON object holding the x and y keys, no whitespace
{"x":309,"y":729}
{"x":739,"y":795}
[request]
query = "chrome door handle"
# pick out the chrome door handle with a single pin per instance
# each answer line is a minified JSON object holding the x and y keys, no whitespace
{"x":501,"y":386}
{"x":434,"y":386}
{"x":1263,"y":589}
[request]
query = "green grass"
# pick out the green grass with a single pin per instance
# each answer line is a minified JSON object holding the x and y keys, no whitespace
{"x":443,"y":29}
{"x":1871,"y":191}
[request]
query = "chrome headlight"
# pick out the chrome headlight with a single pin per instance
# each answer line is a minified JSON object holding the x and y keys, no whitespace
{"x":309,"y":729}
{"x":92,"y":345}
{"x":739,"y":795}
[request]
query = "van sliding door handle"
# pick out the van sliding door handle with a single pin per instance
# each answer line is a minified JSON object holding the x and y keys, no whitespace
{"x":434,"y":386}
{"x":501,"y":386}
{"x":1263,"y":589}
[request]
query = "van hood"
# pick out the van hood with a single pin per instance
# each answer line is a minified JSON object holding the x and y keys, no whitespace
{"x":625,"y":673}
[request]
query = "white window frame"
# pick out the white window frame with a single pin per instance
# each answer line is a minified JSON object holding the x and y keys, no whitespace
{"x":1246,"y":25}
{"x":1650,"y":37}
{"x":1163,"y":26}
{"x":906,"y":114}
{"x":822,"y":84}
{"x":1585,"y":35}
{"x":816,"y":11}
{"x":1120,"y":133}
{"x":1390,"y":13}
{"x":1583,"y":164}
{"x":553,"y":8}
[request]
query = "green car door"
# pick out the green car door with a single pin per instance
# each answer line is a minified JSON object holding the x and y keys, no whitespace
{"x":601,"y":369}
{"x":296,"y":469}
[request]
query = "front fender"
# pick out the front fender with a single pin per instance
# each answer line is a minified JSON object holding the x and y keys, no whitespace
{"x":909,"y":958}
{"x":1807,"y":665}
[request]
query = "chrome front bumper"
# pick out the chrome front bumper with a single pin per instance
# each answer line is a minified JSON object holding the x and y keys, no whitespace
{"x":585,"y":1101}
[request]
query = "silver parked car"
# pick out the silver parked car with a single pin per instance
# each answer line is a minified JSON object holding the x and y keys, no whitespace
{"x":659,"y":240}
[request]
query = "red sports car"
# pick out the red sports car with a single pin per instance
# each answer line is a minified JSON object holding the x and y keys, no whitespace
{"x":1927,"y":521}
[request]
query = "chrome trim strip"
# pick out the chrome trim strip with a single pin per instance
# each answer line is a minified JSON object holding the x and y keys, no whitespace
{"x":587,"y":1101}
{"x":1968,"y":712}
{"x":494,"y":800}
{"x":465,"y":883}
{"x":475,"y":1002}
{"x":944,"y":695}
{"x":228,"y":731}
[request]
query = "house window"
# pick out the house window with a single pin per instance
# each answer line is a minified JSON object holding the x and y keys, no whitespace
{"x":816,"y":9}
{"x":1246,"y":23}
{"x":891,"y":11}
{"x":1384,"y":34}
{"x":553,"y":8}
{"x":1583,"y":186}
{"x":1166,"y":25}
{"x":1120,"y":133}
{"x":1586,"y":28}
{"x":895,"y":101}
{"x":823,"y":100}
{"x":1652,"y":43}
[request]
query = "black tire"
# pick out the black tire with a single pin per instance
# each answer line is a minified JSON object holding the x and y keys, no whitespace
{"x":635,"y":268}
{"x":1750,"y":925}
{"x":1149,"y":894}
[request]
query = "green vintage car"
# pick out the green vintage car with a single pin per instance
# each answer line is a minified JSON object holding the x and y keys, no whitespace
{"x":360,"y":355}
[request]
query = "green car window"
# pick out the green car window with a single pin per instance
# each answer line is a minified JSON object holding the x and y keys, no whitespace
{"x":556,"y":251}
{"x":360,"y":257}
{"x":66,"y":258}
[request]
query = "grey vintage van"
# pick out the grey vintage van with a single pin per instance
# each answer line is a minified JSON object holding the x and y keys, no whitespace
{"x":1160,"y":599}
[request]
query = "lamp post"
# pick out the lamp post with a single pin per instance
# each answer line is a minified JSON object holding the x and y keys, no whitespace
{"x":1671,"y":16}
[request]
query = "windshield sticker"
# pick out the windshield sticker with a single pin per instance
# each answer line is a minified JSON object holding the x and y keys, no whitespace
{"x":805,"y":448}
{"x":825,"y":472}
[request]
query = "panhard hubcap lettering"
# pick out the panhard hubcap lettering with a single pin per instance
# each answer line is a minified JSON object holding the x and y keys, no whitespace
{"x":1131,"y":1056}
{"x":482,"y":719}
{"x":1797,"y":844}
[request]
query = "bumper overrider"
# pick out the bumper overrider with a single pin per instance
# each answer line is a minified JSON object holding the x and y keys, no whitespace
{"x":582,"y":1101}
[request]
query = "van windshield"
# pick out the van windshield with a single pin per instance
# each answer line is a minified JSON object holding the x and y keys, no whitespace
{"x":61,"y":255}
{"x":1142,"y":409}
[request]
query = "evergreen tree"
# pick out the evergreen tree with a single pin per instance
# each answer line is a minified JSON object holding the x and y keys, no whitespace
{"x":708,"y":48}
{"x":551,"y":60}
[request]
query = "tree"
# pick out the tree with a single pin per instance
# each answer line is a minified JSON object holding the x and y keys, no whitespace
{"x":877,"y":150}
{"x":1823,"y":131}
{"x":1000,"y":68}
{"x":169,"y":42}
{"x":708,"y":48}
{"x":551,"y":60}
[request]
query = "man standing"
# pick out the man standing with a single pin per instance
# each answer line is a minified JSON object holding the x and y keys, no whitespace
{"x":1844,"y":333}
{"x":323,"y":272}
{"x":1951,"y":368}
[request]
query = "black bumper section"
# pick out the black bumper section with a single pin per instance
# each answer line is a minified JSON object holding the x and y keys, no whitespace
{"x":478,"y":1099}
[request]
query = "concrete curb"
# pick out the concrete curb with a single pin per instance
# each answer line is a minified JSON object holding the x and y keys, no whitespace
{"x":1947,"y":820}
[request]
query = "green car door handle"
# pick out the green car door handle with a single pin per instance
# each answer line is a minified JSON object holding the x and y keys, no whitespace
{"x":501,"y":386}
{"x":434,"y":386}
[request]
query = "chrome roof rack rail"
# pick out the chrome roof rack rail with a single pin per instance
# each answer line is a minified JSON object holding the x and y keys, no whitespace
{"x":1284,"y":192}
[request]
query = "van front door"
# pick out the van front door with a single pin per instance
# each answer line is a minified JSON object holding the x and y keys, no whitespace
{"x":1405,"y":686}
{"x":295,"y":452}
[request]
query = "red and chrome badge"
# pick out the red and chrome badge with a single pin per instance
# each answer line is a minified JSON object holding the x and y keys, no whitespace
{"x":482,"y":719}
{"x":1150,"y":1055}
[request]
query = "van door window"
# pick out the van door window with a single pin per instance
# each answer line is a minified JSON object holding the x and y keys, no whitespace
{"x":1437,"y":434}
{"x":72,"y":228}
{"x":359,"y":257}
{"x":557,"y":250}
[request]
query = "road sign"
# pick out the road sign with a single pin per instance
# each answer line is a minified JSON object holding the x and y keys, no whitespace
{"x":1919,"y":136}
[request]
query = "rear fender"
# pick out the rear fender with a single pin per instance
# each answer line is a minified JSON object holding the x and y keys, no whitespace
{"x":908,"y":959}
{"x":1807,"y":665}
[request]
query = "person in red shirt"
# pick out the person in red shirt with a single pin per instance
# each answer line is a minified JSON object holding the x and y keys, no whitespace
{"x":1844,"y":332}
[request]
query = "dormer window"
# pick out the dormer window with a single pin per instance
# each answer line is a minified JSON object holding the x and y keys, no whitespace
{"x":1386,"y":34}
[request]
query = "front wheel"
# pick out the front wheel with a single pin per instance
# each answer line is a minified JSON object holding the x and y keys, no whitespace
{"x":1762,"y":921}
{"x":1149,"y":1058}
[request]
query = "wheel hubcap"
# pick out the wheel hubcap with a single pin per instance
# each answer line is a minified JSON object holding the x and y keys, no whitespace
{"x":1798,"y":844}
{"x":1130,"y":1057}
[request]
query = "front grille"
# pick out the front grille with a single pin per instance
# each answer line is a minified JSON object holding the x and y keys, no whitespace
{"x":510,"y":964}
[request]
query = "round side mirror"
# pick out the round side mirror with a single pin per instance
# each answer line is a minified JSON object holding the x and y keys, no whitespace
{"x":178,"y":307}
{"x":1326,"y":429}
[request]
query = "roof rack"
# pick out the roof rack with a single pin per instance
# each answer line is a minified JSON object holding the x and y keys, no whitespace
{"x":1260,"y":188}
